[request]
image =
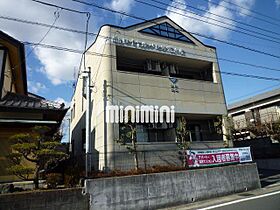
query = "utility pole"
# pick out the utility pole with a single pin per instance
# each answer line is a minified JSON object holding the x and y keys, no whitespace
{"x":88,"y":121}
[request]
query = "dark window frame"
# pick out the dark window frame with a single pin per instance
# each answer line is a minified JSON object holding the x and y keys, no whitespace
{"x":167,"y":29}
{"x":2,"y":68}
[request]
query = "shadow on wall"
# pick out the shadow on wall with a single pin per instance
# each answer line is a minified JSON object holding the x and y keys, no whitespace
{"x":78,"y":136}
{"x":261,"y":148}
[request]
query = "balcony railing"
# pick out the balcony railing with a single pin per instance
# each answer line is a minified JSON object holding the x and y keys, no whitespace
{"x":263,"y":118}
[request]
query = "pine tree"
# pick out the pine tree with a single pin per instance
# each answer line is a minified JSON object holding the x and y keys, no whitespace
{"x":40,"y":146}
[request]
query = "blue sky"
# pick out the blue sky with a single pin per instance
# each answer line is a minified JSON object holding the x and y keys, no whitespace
{"x":51,"y":73}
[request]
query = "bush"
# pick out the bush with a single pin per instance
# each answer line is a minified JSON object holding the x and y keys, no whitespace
{"x":149,"y":170}
{"x":53,"y":180}
{"x":73,"y":172}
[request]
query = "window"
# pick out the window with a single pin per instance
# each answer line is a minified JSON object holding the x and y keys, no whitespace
{"x":150,"y":132}
{"x":161,"y":68}
{"x":166,"y":30}
{"x":196,"y":133}
{"x":73,"y":113}
{"x":153,"y":66}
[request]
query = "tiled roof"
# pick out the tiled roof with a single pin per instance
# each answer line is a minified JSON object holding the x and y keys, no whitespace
{"x":13,"y":100}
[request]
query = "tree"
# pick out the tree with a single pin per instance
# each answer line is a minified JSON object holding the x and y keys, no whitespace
{"x":226,"y":122}
{"x":182,"y":136}
{"x":127,"y":136}
{"x":38,"y":147}
{"x":269,"y":128}
{"x":273,"y":129}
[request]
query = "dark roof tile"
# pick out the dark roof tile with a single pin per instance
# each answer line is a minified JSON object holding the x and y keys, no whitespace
{"x":13,"y":100}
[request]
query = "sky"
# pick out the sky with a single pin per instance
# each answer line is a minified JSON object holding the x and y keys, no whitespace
{"x":51,"y":73}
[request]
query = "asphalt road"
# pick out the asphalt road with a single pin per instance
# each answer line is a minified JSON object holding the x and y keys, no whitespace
{"x":267,"y":198}
{"x":262,"y":199}
{"x":269,"y":201}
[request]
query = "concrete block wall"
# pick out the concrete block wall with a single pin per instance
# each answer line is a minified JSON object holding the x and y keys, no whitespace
{"x":65,"y":199}
{"x":166,"y":189}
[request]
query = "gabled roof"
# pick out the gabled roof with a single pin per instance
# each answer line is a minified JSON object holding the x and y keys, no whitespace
{"x":163,"y":19}
{"x":17,"y":57}
{"x":151,"y":22}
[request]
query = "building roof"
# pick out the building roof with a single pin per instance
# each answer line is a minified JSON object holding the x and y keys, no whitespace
{"x":13,"y":100}
{"x":153,"y":21}
{"x":254,"y":99}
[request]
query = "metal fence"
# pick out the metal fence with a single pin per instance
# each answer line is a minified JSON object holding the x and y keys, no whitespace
{"x":263,"y":118}
{"x":147,"y":159}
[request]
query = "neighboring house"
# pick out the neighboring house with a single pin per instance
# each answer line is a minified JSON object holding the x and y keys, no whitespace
{"x":256,"y":110}
{"x":19,"y":109}
{"x":152,"y":63}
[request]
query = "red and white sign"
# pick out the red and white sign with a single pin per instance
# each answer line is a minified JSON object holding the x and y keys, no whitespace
{"x":211,"y":157}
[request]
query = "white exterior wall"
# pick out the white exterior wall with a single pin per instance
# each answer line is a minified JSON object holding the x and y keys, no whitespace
{"x":197,"y":97}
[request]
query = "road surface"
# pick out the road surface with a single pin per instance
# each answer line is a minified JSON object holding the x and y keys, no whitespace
{"x":262,"y":199}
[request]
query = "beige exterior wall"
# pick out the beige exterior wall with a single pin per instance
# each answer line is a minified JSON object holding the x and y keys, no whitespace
{"x":1,"y":58}
{"x":8,"y":86}
{"x":270,"y":114}
{"x":129,"y":88}
{"x":266,"y":115}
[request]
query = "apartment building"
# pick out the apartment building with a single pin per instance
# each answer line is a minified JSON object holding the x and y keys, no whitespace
{"x":256,"y":110}
{"x":154,"y":63}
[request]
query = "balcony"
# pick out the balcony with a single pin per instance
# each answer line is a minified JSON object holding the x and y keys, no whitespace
{"x":133,"y":60}
{"x":200,"y":128}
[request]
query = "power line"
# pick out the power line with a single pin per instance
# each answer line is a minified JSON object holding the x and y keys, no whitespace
{"x":250,"y":10}
{"x":57,"y":15}
{"x":217,"y":15}
{"x":246,"y":14}
{"x":95,"y":34}
{"x":231,"y":28}
{"x":88,"y":15}
{"x":115,"y":57}
{"x":248,"y":64}
{"x":261,"y":90}
{"x":198,"y":34}
{"x":60,"y":7}
{"x":228,"y":73}
{"x":213,"y":57}
{"x":45,"y":25}
{"x":199,"y":9}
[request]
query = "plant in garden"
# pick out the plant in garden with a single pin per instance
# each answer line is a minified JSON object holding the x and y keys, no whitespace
{"x":269,"y":128}
{"x":182,"y":138}
{"x":40,"y":146}
{"x":274,"y":130}
{"x":128,"y":139}
{"x":53,"y":179}
{"x":229,"y":128}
